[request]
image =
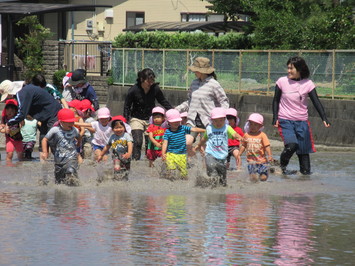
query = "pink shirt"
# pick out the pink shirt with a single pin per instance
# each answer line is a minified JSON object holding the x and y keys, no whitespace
{"x":102,"y":134}
{"x":293,"y":102}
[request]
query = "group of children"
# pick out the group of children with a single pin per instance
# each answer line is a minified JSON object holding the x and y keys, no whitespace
{"x":77,"y":130}
{"x":19,"y":138}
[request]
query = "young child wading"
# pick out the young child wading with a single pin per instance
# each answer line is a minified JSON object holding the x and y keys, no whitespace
{"x":216,"y":136}
{"x":257,"y":146}
{"x":121,"y":144}
{"x":64,"y":140}
{"x":174,"y":143}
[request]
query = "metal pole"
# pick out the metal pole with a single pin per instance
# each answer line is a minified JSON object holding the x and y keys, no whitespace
{"x":268,"y":72}
{"x":333,"y":76}
{"x":240,"y":71}
{"x":163,"y":68}
{"x":123,"y":64}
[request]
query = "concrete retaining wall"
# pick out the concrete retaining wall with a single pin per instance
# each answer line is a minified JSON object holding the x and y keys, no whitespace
{"x":341,"y":114}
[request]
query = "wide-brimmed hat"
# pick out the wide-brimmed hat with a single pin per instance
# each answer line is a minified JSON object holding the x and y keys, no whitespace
{"x":173,"y":115}
{"x":8,"y":87}
{"x":202,"y":65}
{"x":78,"y":76}
{"x":66,"y":115}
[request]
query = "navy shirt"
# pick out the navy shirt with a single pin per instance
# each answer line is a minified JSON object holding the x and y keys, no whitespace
{"x":36,"y":102}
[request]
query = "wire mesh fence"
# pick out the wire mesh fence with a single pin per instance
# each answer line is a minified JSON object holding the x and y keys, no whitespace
{"x":240,"y":71}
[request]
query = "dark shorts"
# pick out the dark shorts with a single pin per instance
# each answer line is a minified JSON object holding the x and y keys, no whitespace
{"x":98,"y":147}
{"x":216,"y":167}
{"x":231,"y":149}
{"x":261,"y":169}
{"x":60,"y":170}
{"x":297,"y":132}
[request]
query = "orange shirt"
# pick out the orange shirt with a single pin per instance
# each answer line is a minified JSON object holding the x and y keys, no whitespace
{"x":255,"y":147}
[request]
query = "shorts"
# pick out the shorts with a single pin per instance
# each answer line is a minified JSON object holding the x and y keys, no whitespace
{"x":261,"y":169}
{"x":12,"y":145}
{"x":99,"y":147}
{"x":28,"y":145}
{"x":152,"y":155}
{"x":297,"y":132}
{"x":60,"y":170}
{"x":231,"y":149}
{"x":138,"y":124}
{"x":177,"y":161}
{"x":216,"y":167}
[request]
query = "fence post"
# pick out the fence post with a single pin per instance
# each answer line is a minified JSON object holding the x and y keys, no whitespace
{"x":143,"y":54}
{"x":187,"y":69}
{"x":163,"y":69}
{"x":268,"y":71}
{"x":240,"y":71}
{"x":333,"y":75}
{"x":123,"y":64}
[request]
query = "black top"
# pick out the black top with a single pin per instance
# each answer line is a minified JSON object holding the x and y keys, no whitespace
{"x":36,"y":102}
{"x":139,"y":104}
{"x":312,"y":95}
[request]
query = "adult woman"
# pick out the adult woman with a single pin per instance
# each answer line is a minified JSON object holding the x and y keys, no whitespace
{"x":290,"y":114}
{"x":205,"y":93}
{"x":138,"y":107}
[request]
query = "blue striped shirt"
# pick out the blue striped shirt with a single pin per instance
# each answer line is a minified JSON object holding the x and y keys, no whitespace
{"x":177,"y":139}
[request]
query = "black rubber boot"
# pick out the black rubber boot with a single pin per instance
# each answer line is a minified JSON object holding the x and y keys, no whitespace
{"x":286,"y":155}
{"x":137,"y":135}
{"x":305,"y":164}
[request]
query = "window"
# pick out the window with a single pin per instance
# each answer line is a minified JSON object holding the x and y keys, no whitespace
{"x":193,"y":17}
{"x":134,"y":18}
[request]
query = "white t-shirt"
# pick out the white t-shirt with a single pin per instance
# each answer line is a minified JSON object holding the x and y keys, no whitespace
{"x":102,"y":134}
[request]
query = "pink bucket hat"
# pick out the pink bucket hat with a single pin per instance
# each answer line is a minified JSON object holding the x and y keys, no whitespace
{"x":103,"y":112}
{"x":173,"y":115}
{"x":158,"y":110}
{"x":257,"y":118}
{"x":218,"y":112}
{"x":232,"y":112}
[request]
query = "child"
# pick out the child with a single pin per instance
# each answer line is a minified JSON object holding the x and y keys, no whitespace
{"x":233,"y":144}
{"x":29,"y":134}
{"x":256,"y":144}
{"x":174,"y":143}
{"x":102,"y":132}
{"x":155,"y":133}
{"x":184,"y":118}
{"x":88,"y":113}
{"x":121,"y":144}
{"x":216,"y":136}
{"x":13,"y":137}
{"x":75,"y":106}
{"x":64,"y":139}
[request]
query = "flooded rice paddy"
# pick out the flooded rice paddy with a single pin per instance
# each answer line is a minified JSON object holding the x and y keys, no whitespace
{"x":293,"y":220}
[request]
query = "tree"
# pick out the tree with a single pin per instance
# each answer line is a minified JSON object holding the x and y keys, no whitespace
{"x":30,"y":46}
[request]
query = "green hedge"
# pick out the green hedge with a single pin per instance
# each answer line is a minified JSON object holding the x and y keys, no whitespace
{"x":182,"y":40}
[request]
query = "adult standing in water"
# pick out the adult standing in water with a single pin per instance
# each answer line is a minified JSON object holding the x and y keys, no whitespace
{"x":290,"y":114}
{"x":205,"y":94}
{"x":34,"y":101}
{"x":138,"y":107}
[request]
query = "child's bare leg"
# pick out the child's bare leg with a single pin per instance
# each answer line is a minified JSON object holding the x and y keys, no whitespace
{"x":238,"y":162}
{"x":189,"y":142}
{"x":151,"y":163}
{"x":19,"y":155}
{"x":263,"y":177}
{"x":80,"y":159}
{"x":97,"y":153}
{"x":253,"y":178}
{"x":9,"y":156}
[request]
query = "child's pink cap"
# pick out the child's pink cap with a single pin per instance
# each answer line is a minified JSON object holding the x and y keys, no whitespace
{"x":232,"y":112}
{"x":103,"y":112}
{"x":173,"y":115}
{"x":257,"y":118}
{"x":183,"y":114}
{"x":158,"y":110}
{"x":218,"y":112}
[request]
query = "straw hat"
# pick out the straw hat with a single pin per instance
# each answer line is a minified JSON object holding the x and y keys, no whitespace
{"x":8,"y":87}
{"x":202,"y":65}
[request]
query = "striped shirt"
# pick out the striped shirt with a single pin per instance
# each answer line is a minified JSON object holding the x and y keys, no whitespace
{"x":203,"y":96}
{"x":177,"y":139}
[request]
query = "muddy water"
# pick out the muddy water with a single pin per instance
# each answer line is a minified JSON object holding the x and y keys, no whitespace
{"x":147,"y":220}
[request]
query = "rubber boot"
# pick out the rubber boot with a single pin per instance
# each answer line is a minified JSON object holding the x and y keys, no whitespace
{"x":286,"y":155}
{"x":137,"y":135}
{"x":305,"y":164}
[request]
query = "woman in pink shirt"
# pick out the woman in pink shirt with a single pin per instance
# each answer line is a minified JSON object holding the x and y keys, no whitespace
{"x":290,"y":114}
